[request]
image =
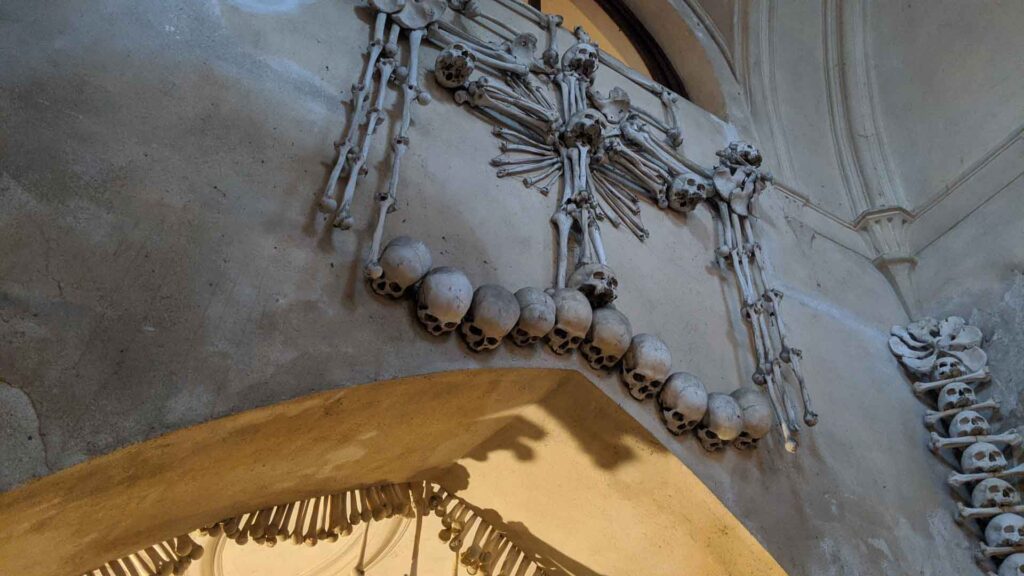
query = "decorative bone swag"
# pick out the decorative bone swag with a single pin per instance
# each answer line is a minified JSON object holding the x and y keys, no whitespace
{"x":946,"y":360}
{"x":601,"y":154}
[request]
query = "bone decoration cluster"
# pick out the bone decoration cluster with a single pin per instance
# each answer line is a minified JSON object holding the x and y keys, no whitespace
{"x":600,"y":157}
{"x":947,"y":364}
{"x":478,"y":545}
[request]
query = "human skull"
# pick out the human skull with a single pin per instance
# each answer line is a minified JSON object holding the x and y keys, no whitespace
{"x":947,"y":367}
{"x":607,"y":340}
{"x":597,"y":282}
{"x":757,"y":417}
{"x":572,"y":320}
{"x":585,"y":127}
{"x":747,"y":152}
{"x":536,"y":316}
{"x":1007,"y":529}
{"x":683,"y":401}
{"x":994,"y":493}
{"x":968,"y":423}
{"x":443,"y":299}
{"x":581,"y":58}
{"x":982,"y":457}
{"x":402,"y":264}
{"x":956,"y":395}
{"x":454,"y":65}
{"x":645,"y":366}
{"x":723,"y":422}
{"x":1013,"y":565}
{"x":492,"y":314}
{"x":686,"y":192}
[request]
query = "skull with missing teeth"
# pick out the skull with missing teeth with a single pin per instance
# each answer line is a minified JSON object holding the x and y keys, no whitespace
{"x":994,"y":493}
{"x":757,"y":417}
{"x":492,"y":314}
{"x":581,"y":58}
{"x":443,"y":299}
{"x":686,"y":192}
{"x":402,"y":264}
{"x":536,"y":316}
{"x":645,"y":366}
{"x":597,"y":282}
{"x":607,"y":340}
{"x":1006,"y":529}
{"x":722,"y":423}
{"x":947,"y":367}
{"x":982,"y":457}
{"x":968,"y":423}
{"x":956,"y":395}
{"x":683,"y":402}
{"x":573,"y":315}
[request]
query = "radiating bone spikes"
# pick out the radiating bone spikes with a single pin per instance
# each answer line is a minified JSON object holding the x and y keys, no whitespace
{"x":526,"y":149}
{"x":526,"y":166}
{"x":957,"y":479}
{"x":982,"y":375}
{"x":1010,"y":438}
{"x":328,"y":200}
{"x":459,"y":536}
{"x":967,"y":513}
{"x":934,"y":417}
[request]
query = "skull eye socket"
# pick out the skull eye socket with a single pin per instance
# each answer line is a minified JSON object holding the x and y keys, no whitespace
{"x":613,"y":283}
{"x":979,"y":457}
{"x":491,"y":341}
{"x":676,"y":415}
{"x":1009,"y":529}
{"x":993,"y":489}
{"x":561,"y":333}
{"x":475,"y":331}
{"x":950,"y":392}
{"x":711,"y":434}
{"x":599,"y":275}
{"x":429,"y":317}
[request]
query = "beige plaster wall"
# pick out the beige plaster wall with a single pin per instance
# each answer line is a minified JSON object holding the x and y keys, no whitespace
{"x":162,"y":266}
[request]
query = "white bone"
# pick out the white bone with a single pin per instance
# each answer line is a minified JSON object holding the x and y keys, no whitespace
{"x":1011,"y":438}
{"x":966,"y":513}
{"x":932,"y":417}
{"x":982,"y":375}
{"x":957,"y":479}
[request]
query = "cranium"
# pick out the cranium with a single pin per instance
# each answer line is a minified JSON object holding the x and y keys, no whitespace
{"x":994,"y":493}
{"x":597,"y":282}
{"x":572,"y":320}
{"x":746,"y":152}
{"x":683,"y":401}
{"x":757,"y":417}
{"x":645,"y":366}
{"x":586,"y":127}
{"x":607,"y":340}
{"x":1013,"y":565}
{"x":947,"y":367}
{"x":454,"y":65}
{"x":581,"y":58}
{"x":968,"y":423}
{"x":686,"y":191}
{"x":403,"y":263}
{"x":536,"y":316}
{"x":1005,"y":530}
{"x":982,"y":457}
{"x":443,"y":299}
{"x":956,"y":395}
{"x":722,"y":423}
{"x":492,"y":314}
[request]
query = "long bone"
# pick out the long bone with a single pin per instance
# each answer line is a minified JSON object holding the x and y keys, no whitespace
{"x":477,"y":97}
{"x":544,"y":180}
{"x":443,"y":35}
{"x":1010,"y":438}
{"x":956,"y":479}
{"x":386,"y":202}
{"x":471,"y":557}
{"x":982,"y":375}
{"x":360,"y":93}
{"x":636,"y":136}
{"x":967,"y":513}
{"x":933,"y":417}
{"x":595,"y":239}
{"x":505,"y":146}
{"x":459,"y":537}
{"x":621,"y":186}
{"x":386,"y":66}
{"x":563,"y":222}
{"x":985,"y":551}
{"x":514,"y":553}
{"x":506,"y":96}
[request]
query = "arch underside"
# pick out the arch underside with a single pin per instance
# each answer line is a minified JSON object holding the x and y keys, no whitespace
{"x":564,"y":469}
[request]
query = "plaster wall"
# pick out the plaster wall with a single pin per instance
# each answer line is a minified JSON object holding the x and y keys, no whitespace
{"x":162,"y":265}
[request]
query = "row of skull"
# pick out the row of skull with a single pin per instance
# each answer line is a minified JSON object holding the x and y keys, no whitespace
{"x":994,"y":500}
{"x":578,"y":316}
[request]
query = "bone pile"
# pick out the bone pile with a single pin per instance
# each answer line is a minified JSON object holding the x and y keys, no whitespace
{"x":603,"y":155}
{"x":947,"y":364}
{"x":478,"y":545}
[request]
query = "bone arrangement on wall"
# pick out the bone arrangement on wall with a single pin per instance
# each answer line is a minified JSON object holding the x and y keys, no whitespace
{"x":602,"y":156}
{"x":947,"y":363}
{"x":477,"y":544}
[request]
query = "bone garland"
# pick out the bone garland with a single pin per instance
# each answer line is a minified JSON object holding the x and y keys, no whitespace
{"x":164,"y":558}
{"x":945,"y":357}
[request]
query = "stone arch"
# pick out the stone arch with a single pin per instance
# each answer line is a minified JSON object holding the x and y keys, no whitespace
{"x":525,"y":441}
